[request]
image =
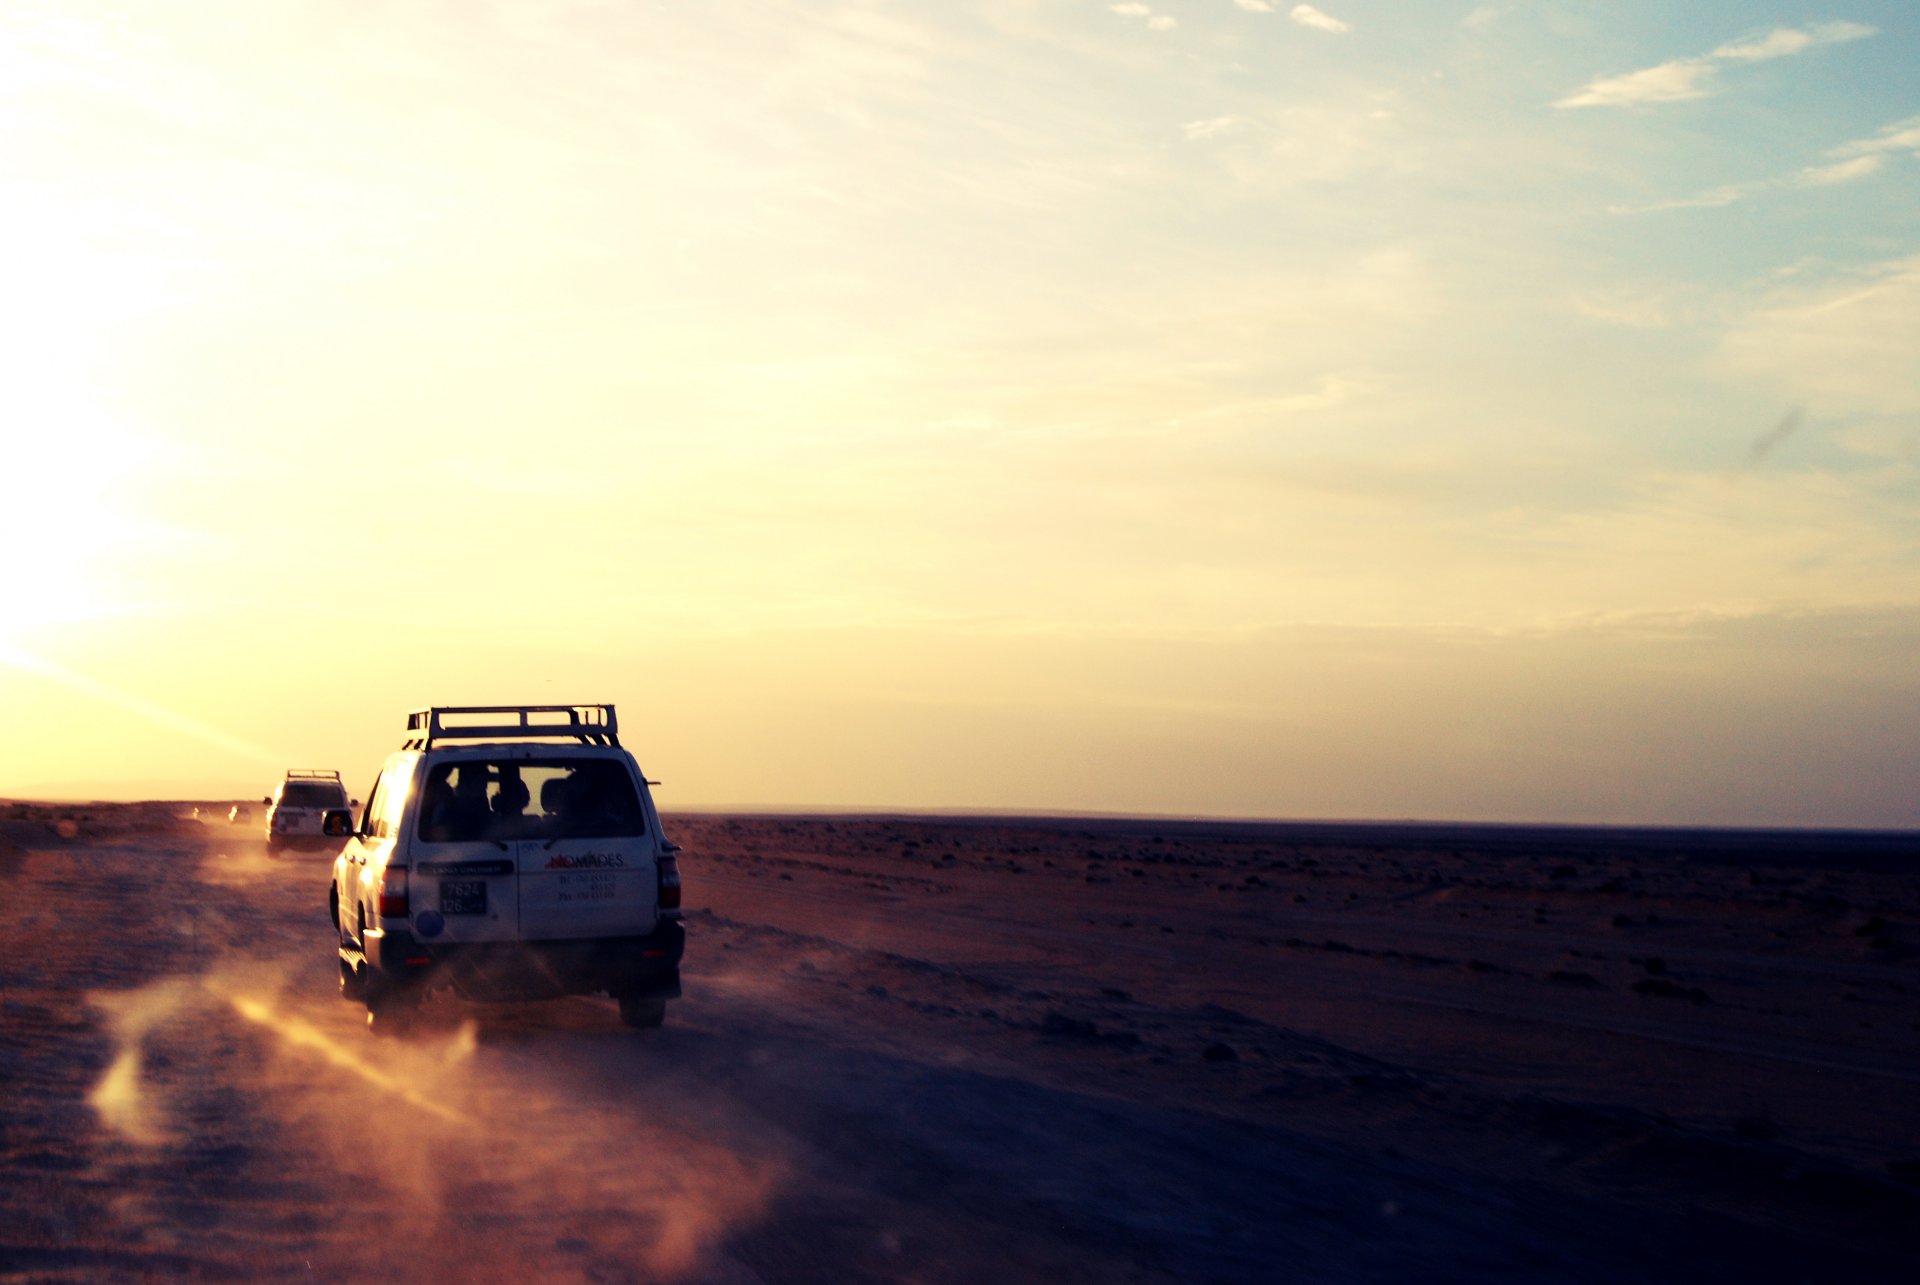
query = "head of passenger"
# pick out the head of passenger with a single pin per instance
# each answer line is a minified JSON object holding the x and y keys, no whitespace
{"x":512,"y":797}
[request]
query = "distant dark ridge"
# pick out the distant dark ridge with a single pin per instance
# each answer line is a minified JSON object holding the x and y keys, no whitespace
{"x":1888,"y":850}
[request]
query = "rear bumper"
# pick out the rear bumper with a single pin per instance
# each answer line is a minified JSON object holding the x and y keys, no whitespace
{"x":642,"y":966}
{"x":308,"y":823}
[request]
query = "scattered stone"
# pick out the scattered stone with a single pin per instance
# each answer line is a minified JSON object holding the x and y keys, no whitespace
{"x":1060,"y":1024}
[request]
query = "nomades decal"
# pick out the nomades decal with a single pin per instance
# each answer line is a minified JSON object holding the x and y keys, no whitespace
{"x":587,"y":861}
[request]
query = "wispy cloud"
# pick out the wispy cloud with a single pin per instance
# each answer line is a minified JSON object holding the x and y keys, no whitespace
{"x":1333,"y":391}
{"x":1847,"y":163}
{"x":1844,"y":344}
{"x":1155,"y":21}
{"x":1864,"y":156}
{"x":1901,"y":136}
{"x":1304,"y":14}
{"x":1841,"y":171}
{"x":1783,"y":41}
{"x":1308,"y":16}
{"x":1198,"y":129}
{"x":1670,"y":82}
{"x":1684,"y":78}
{"x":1636,"y":309}
{"x":1711,"y":199}
{"x":1275,"y":148}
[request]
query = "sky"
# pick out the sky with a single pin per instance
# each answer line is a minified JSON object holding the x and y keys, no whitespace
{"x":1456,"y":411}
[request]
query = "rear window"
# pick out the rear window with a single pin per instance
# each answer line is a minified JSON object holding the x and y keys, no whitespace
{"x":475,"y":800}
{"x":312,"y":794}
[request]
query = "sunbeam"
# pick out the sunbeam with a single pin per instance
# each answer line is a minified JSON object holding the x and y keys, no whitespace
{"x":138,"y":705}
{"x":300,"y":1035}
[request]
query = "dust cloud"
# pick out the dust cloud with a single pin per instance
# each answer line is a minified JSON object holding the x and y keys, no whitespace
{"x":236,"y":867}
{"x":443,"y":1131}
{"x":122,"y":1101}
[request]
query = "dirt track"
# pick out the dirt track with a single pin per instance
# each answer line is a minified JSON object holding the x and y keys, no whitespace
{"x":965,"y":1051}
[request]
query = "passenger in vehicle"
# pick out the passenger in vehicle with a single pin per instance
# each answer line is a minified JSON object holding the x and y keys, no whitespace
{"x":465,"y":814}
{"x":434,"y":801}
{"x":510,"y":802}
{"x":601,"y":803}
{"x":553,"y":802}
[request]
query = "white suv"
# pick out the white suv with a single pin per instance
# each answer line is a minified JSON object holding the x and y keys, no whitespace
{"x":510,"y":852}
{"x":296,"y":810}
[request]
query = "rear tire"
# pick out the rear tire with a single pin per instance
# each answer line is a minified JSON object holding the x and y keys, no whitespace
{"x":642,"y":1014}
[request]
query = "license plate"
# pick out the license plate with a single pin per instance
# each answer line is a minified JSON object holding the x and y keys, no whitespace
{"x":463,"y":896}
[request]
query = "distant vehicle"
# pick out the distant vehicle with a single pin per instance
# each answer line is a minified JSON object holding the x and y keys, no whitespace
{"x":297,"y":810}
{"x":240,"y":814}
{"x":510,"y":852}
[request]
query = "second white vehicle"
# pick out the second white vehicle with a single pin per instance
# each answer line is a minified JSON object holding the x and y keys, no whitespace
{"x":296,"y":812}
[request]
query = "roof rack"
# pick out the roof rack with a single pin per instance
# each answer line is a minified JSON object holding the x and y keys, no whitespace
{"x":590,"y":724}
{"x":312,"y":774}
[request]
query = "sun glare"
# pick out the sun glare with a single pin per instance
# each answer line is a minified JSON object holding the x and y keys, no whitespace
{"x":61,"y":528}
{"x":87,"y":272}
{"x":71,"y":512}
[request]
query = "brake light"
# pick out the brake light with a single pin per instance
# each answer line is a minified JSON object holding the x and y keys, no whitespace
{"x":393,"y":894}
{"x":669,"y":869}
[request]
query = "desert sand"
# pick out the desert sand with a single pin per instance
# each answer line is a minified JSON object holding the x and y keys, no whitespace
{"x":980,"y":1049}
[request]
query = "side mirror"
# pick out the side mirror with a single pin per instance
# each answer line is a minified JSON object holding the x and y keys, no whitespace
{"x":353,"y":803}
{"x":267,"y":802}
{"x":337,"y":823}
